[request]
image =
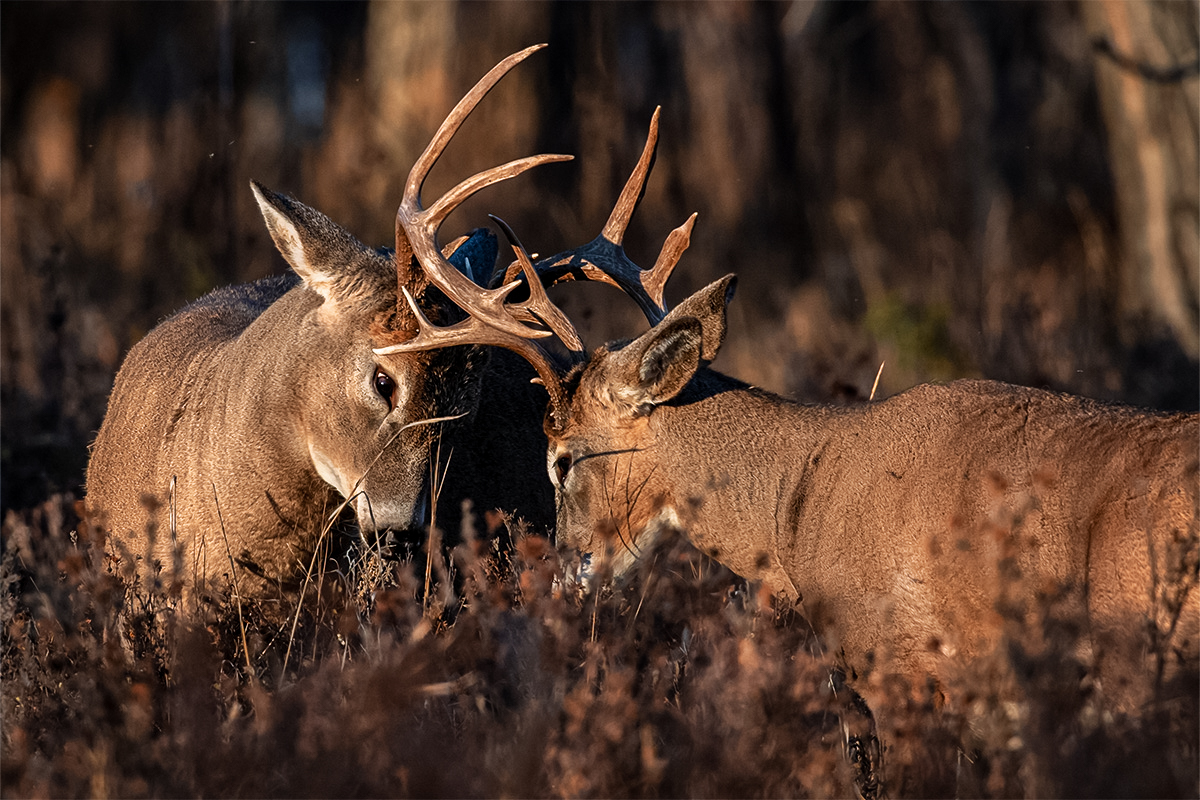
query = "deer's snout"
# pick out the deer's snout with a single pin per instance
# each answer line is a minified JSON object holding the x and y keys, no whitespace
{"x":400,"y":509}
{"x":392,"y":493}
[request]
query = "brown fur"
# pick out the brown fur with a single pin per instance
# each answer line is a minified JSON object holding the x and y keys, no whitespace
{"x":238,"y":397}
{"x":893,"y":522}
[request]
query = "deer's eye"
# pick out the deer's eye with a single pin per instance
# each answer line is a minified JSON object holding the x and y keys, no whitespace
{"x":385,"y":386}
{"x":562,"y":465}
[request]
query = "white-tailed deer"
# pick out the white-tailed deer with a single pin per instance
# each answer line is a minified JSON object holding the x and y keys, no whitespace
{"x":900,"y":524}
{"x":253,"y":413}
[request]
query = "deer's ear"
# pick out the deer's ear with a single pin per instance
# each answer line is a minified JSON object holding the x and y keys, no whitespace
{"x":320,"y":251}
{"x":657,"y":366}
{"x":708,"y":306}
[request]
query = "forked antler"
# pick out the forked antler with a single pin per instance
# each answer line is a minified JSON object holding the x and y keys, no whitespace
{"x":604,"y":260}
{"x":516,"y":325}
{"x":491,"y":324}
{"x":417,"y":227}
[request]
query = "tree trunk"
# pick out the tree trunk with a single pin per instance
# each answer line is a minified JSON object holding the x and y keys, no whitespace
{"x":1148,"y":93}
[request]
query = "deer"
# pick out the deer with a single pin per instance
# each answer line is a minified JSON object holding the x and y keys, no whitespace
{"x":241,"y":426}
{"x":900,"y":526}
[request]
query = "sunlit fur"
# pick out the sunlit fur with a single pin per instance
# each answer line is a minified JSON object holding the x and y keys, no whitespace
{"x":893,"y":522}
{"x":251,"y":414}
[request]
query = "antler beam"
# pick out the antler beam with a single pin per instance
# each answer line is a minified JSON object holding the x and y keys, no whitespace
{"x":481,"y":328}
{"x":604,"y":259}
{"x":416,"y":227}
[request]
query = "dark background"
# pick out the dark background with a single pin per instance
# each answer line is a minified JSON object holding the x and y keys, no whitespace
{"x":1006,"y":190}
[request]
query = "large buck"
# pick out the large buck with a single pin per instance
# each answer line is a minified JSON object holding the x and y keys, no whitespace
{"x":253,"y":414}
{"x":901,"y":526}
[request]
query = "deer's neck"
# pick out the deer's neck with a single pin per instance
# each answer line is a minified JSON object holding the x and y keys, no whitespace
{"x":742,"y":457}
{"x":243,"y":411}
{"x":266,"y":376}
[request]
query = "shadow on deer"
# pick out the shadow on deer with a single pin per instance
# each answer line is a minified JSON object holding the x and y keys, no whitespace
{"x":241,"y":427}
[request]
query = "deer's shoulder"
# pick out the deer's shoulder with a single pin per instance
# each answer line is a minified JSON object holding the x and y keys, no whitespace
{"x":200,"y":327}
{"x":240,"y":301}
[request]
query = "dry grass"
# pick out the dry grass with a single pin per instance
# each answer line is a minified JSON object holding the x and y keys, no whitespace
{"x":508,"y":679}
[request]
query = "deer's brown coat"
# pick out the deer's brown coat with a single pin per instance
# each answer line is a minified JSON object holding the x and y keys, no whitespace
{"x":901,"y":523}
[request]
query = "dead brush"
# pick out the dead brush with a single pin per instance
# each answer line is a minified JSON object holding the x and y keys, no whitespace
{"x":1030,"y":717}
{"x":680,"y":681}
{"x":690,"y":683}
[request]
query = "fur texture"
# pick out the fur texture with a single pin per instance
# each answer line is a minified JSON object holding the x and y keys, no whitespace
{"x":896,"y":524}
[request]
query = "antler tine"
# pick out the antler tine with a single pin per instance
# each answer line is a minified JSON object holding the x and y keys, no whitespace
{"x":539,"y":305}
{"x":604,"y":259}
{"x":654,"y":280}
{"x":635,"y":187}
{"x":433,"y":216}
{"x":416,"y":227}
{"x":482,"y":328}
{"x":618,"y":220}
{"x":458,"y":115}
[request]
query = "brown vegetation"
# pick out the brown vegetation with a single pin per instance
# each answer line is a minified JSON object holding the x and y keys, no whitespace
{"x":934,"y":184}
{"x":683,"y":682}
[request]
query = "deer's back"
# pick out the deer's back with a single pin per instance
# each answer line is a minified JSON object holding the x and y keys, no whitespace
{"x":925,"y":510}
{"x":152,"y":389}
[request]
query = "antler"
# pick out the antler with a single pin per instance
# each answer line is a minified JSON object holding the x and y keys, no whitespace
{"x":489,"y":320}
{"x":490,"y":324}
{"x":604,"y":260}
{"x":416,"y":227}
{"x":515,"y":326}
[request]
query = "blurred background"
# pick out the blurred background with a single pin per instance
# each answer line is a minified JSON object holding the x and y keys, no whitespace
{"x":1005,"y":190}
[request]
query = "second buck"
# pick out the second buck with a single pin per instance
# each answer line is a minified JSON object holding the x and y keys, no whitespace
{"x":901,"y":526}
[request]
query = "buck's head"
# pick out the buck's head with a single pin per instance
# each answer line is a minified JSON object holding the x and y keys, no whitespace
{"x":604,"y":415}
{"x":361,"y":416}
{"x":366,"y":407}
{"x":613,"y":478}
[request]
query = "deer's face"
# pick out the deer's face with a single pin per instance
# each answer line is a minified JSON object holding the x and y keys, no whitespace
{"x":612,"y":494}
{"x":367,"y":423}
{"x":611,"y":458}
{"x":364,"y":420}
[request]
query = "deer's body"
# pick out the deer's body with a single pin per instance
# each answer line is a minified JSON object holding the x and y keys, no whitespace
{"x":244,"y":399}
{"x":251,"y":416}
{"x":890,"y":511}
{"x":198,"y":366}
{"x":495,"y":457}
{"x":896,"y":523}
